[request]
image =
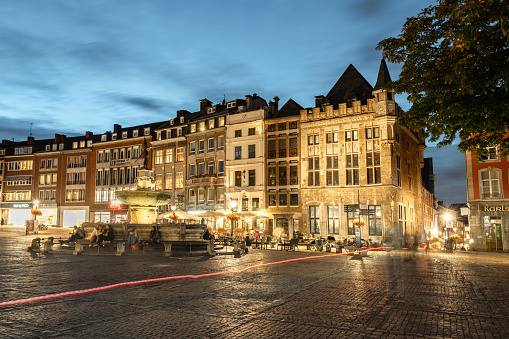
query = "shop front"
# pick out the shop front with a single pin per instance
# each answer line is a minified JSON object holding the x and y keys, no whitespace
{"x":49,"y":215}
{"x":15,"y":214}
{"x":71,"y":216}
{"x":115,"y":213}
{"x":489,"y":224}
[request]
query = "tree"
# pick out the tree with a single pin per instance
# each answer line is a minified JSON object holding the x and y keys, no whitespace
{"x":455,"y":71}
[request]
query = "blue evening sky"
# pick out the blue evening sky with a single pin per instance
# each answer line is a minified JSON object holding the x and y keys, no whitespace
{"x":71,"y":66}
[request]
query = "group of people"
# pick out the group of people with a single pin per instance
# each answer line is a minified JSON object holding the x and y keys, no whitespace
{"x":101,"y":236}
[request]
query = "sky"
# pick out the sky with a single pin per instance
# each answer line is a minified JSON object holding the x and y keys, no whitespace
{"x":70,"y":66}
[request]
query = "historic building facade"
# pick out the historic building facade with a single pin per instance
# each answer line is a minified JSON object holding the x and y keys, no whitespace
{"x":488,"y":201}
{"x":358,"y":167}
{"x":282,"y":190}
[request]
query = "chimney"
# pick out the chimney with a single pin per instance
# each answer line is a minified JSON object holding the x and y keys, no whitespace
{"x":59,"y":137}
{"x":88,"y":134}
{"x":249,"y":102}
{"x":30,"y":140}
{"x":116,"y":128}
{"x":204,"y":103}
{"x":276,"y":105}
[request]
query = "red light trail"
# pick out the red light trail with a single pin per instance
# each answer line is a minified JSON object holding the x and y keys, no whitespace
{"x":138,"y":282}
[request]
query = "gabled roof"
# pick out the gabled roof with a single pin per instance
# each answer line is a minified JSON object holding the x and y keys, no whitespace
{"x":289,"y":109}
{"x":350,"y":86}
{"x":383,"y":76}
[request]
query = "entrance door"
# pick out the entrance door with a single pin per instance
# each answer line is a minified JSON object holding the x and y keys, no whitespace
{"x":494,"y":237}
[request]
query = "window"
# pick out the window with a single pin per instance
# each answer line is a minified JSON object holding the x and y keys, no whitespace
{"x":43,"y":164}
{"x":201,"y":168}
{"x":211,"y":110}
{"x":192,"y":197}
{"x":252,"y":178}
{"x":492,"y":153}
{"x":238,"y":152}
{"x":375,"y":220}
{"x":202,"y":126}
{"x":220,"y":194}
{"x":135,"y":133}
{"x":255,"y":204}
{"x":211,"y":145}
{"x":124,"y":135}
{"x":159,"y":182}
{"x":351,"y":215}
{"x":75,"y":144}
{"x":231,"y":104}
{"x":313,"y":139}
{"x":238,"y":133}
{"x":271,"y":148}
{"x":314,"y":219}
{"x":159,"y":157}
{"x":398,"y":170}
{"x":220,"y":122}
{"x":293,"y":147}
{"x":169,"y":155}
{"x":281,"y":126}
{"x":179,"y":154}
{"x":168,"y":181}
{"x":272,"y":199}
{"x":179,"y":180}
{"x":283,"y":199}
{"x":333,"y":219}
{"x":220,"y":143}
{"x":201,"y":195}
{"x":294,"y":180}
{"x":192,"y":148}
{"x":352,"y":171}
{"x":202,"y":146}
{"x":332,"y":170}
{"x":192,"y":170}
{"x":114,"y":136}
{"x":294,"y":199}
{"x":251,"y":151}
{"x":220,"y":168}
{"x":211,"y":168}
{"x":146,"y":131}
{"x":272,"y":176}
{"x":351,"y":135}
{"x":211,"y":194}
{"x":409,"y":172}
{"x":54,"y":147}
{"x":490,"y":183}
{"x":282,"y":175}
{"x":251,"y":131}
{"x":245,"y":204}
{"x":292,"y":125}
{"x":192,"y":128}
{"x":282,"y":147}
{"x":313,"y":169}
{"x":47,"y":147}
{"x":238,"y":178}
{"x":272,"y":128}
{"x":211,"y":123}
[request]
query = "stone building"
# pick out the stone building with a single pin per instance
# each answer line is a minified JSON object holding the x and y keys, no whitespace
{"x":488,"y":201}
{"x":358,"y":166}
{"x":282,"y":191}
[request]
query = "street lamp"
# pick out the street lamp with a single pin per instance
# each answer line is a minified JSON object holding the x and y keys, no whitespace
{"x":233,"y":204}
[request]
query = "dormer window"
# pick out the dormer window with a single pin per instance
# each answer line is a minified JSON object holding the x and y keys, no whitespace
{"x":221,"y":122}
{"x":89,"y":143}
{"x":135,"y":133}
{"x":211,"y":123}
{"x":211,"y":110}
{"x":181,"y":120}
{"x":171,"y":122}
{"x":114,"y":136}
{"x":104,"y":137}
{"x":47,"y":147}
{"x":179,"y":132}
{"x":202,"y":126}
{"x":124,"y":135}
{"x":193,"y":128}
{"x":231,"y":105}
{"x":75,"y":144}
{"x":55,"y":147}
{"x":61,"y":147}
{"x":146,"y":131}
{"x":82,"y":144}
{"x":158,"y":135}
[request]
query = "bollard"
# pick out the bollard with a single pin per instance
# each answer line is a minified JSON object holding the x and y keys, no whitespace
{"x":46,"y":246}
{"x":78,"y":247}
{"x":167,"y":249}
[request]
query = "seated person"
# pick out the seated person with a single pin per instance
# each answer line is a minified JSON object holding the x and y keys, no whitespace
{"x":207,"y":235}
{"x":132,"y":238}
{"x":77,"y":234}
{"x":95,"y":234}
{"x":155,"y":236}
{"x":106,"y":236}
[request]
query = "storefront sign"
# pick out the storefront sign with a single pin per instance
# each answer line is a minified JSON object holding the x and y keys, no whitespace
{"x":496,"y":208}
{"x":20,"y":205}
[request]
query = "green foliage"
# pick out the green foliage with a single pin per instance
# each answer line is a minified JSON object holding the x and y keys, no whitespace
{"x":455,"y":71}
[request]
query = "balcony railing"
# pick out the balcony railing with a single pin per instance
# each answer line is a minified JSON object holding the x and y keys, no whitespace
{"x":120,"y":162}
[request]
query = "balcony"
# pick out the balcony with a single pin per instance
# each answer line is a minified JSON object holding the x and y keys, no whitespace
{"x":207,"y":179}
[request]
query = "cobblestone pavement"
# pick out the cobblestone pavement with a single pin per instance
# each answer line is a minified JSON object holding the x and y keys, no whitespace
{"x":385,"y":295}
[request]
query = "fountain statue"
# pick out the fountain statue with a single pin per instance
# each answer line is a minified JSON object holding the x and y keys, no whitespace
{"x":143,"y":202}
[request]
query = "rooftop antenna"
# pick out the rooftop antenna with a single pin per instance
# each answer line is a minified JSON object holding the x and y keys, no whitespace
{"x":31,"y":128}
{"x":224,"y":95}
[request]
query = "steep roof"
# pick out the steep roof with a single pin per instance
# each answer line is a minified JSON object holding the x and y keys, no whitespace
{"x":383,"y":76}
{"x":289,"y":109}
{"x":351,"y":85}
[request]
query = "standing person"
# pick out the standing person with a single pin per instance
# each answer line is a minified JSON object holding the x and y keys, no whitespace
{"x":95,"y":234}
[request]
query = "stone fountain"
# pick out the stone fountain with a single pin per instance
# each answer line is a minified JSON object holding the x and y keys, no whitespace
{"x":143,"y":201}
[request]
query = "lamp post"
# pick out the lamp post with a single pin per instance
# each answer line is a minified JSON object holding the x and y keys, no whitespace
{"x":233,"y":204}
{"x":447,"y":217}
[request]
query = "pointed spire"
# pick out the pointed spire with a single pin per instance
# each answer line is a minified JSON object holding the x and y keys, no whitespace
{"x":383,"y":76}
{"x":351,"y":84}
